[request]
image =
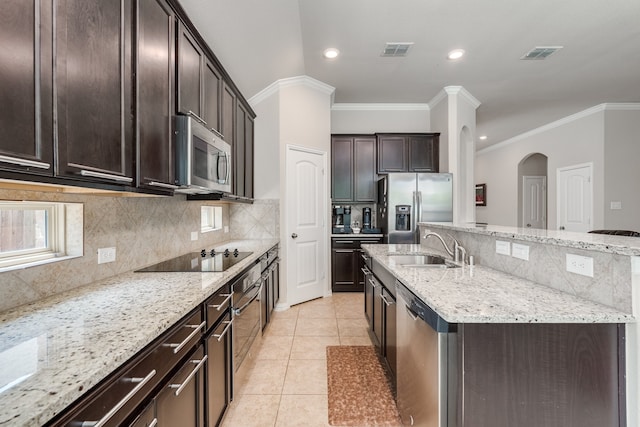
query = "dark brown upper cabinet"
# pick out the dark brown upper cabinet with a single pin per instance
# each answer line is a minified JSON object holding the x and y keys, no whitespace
{"x":93,"y":84}
{"x":243,"y":147}
{"x":26,"y":87}
{"x":408,"y":152}
{"x":212,"y":87}
{"x":228,"y":109}
{"x":155,"y":89}
{"x":353,"y":170}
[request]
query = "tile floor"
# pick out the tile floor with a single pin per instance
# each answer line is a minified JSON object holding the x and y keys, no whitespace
{"x":285,"y":383}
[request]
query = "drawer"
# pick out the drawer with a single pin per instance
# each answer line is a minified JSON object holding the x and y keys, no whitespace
{"x":218,"y":304}
{"x":118,"y":398}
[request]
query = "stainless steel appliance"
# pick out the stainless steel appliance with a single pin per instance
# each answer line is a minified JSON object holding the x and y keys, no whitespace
{"x":203,"y":158}
{"x":341,"y":219}
{"x":366,"y":218}
{"x":246,"y":312}
{"x":203,"y":261}
{"x":426,"y":364}
{"x":404,"y":199}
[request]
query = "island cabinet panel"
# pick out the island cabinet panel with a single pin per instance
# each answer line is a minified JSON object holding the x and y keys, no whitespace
{"x":531,"y":375}
{"x":26,"y":94}
{"x":93,"y":85}
{"x":155,"y":94}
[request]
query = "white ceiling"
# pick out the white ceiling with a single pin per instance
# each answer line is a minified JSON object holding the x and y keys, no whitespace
{"x":261,"y":41}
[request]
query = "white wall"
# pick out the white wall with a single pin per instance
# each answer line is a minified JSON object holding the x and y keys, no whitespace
{"x":579,"y":139}
{"x":372,"y":118}
{"x":267,"y":148}
{"x":440,"y":123}
{"x":622,"y":168}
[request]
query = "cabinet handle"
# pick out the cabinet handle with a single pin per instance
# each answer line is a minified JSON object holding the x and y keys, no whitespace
{"x":197,"y":117}
{"x":154,"y":423}
{"x":343,"y":241}
{"x":225,"y":330}
{"x":181,"y":387}
{"x":373,"y":283}
{"x":366,"y":271}
{"x":386,"y":301}
{"x":178,"y":347}
{"x":25,"y":162}
{"x":163,"y":185}
{"x":141,"y":383}
{"x":109,"y":176}
{"x":411,"y":313}
{"x":219,"y":306}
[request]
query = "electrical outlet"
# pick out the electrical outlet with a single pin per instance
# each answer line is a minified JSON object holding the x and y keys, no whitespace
{"x":616,"y":205}
{"x":194,"y":236}
{"x":226,"y":228}
{"x":503,"y":248}
{"x":520,"y":251}
{"x":580,"y":265}
{"x":106,"y":255}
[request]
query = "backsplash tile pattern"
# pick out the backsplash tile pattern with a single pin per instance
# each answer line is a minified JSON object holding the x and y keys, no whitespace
{"x":144,"y":230}
{"x":260,"y":220}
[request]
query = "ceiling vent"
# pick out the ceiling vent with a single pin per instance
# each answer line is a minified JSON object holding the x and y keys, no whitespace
{"x":396,"y":49}
{"x":540,"y":52}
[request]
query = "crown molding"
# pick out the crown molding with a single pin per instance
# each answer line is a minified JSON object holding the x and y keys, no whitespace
{"x":612,"y":106}
{"x":454,"y":90}
{"x":379,"y":107}
{"x":278,"y":85}
{"x":437,"y":99}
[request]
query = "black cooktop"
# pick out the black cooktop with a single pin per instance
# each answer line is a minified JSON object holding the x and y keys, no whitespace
{"x":199,"y":262}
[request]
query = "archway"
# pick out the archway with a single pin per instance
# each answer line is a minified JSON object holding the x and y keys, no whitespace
{"x":532,"y":191}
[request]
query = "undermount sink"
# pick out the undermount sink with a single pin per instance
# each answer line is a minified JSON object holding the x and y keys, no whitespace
{"x":423,"y":261}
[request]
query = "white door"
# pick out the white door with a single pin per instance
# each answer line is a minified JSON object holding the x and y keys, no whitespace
{"x":306,"y":232}
{"x":575,"y":198}
{"x":534,"y":202}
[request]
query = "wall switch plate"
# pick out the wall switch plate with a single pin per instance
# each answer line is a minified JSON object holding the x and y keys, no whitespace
{"x":106,"y":255}
{"x":503,"y":248}
{"x":616,"y":206}
{"x":520,"y":251}
{"x":580,"y":265}
{"x":194,"y":236}
{"x":226,"y":228}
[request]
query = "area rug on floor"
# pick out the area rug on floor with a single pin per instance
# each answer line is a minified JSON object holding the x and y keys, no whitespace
{"x":360,"y":392}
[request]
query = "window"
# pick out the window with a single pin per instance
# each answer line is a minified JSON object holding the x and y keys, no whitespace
{"x":33,"y":232}
{"x":211,"y":218}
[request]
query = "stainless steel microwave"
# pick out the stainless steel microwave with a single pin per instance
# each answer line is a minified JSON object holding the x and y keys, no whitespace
{"x":203,"y":158}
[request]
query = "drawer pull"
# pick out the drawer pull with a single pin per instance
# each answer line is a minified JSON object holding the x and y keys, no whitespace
{"x":25,"y":162}
{"x":141,"y":383}
{"x":109,"y":176}
{"x":224,"y":332}
{"x":386,"y":301}
{"x":178,"y":347}
{"x":219,"y":306}
{"x":181,"y":387}
{"x":154,"y":423}
{"x":342,"y":242}
{"x":373,"y":283}
{"x":365,"y":270}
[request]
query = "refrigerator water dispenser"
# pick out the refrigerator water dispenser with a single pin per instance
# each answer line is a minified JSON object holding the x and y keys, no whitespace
{"x":403,"y":217}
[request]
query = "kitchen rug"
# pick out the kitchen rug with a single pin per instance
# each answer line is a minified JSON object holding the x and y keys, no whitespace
{"x":360,"y":392}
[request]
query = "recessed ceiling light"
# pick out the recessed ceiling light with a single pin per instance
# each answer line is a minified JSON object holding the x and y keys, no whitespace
{"x":483,"y":137}
{"x":455,"y":54}
{"x":331,"y":53}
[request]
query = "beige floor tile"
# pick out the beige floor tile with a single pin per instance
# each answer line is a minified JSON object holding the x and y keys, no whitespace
{"x":353,"y":327}
{"x":340,"y":298}
{"x":252,"y":411}
{"x":318,"y":311}
{"x":301,"y":410}
{"x":275,"y":347}
{"x":355,"y":341}
{"x":279,"y":326}
{"x":290,"y":313}
{"x":266,"y":377}
{"x":350,"y":311}
{"x":312,"y":347}
{"x":306,"y":377}
{"x":317,"y":327}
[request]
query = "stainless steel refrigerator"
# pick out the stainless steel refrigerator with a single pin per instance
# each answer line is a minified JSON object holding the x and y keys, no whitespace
{"x":404,"y":199}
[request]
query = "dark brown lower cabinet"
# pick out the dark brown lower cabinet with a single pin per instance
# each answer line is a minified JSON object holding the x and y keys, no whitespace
{"x":347,"y":262}
{"x":147,"y":418}
{"x":218,"y":370}
{"x":181,"y":401}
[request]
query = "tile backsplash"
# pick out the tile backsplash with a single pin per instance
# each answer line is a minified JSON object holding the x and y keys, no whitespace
{"x":144,"y":230}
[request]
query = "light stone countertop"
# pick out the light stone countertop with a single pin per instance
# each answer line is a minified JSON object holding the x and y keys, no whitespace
{"x":477,"y":294}
{"x":54,"y":350}
{"x":620,"y":245}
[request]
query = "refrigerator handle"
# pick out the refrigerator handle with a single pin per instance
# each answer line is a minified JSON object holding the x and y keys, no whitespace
{"x":419,"y":206}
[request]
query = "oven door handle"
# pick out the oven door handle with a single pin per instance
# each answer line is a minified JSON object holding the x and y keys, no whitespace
{"x":238,"y":311}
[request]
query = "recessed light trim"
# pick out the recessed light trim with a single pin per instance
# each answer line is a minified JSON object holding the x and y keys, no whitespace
{"x":331,"y":53}
{"x":455,"y":54}
{"x":483,"y":137}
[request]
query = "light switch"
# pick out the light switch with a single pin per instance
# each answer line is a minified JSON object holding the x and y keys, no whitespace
{"x":616,"y":206}
{"x":520,"y":251}
{"x":503,"y":248}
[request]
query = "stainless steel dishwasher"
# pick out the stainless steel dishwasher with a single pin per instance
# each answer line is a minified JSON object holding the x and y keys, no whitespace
{"x":427,"y":364}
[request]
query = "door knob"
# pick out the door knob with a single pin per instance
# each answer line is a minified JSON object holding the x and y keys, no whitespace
{"x":562,"y":227}
{"x":528,"y":225}
{"x":294,"y":235}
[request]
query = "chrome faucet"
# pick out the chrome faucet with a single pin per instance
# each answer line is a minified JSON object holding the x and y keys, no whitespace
{"x":458,"y":253}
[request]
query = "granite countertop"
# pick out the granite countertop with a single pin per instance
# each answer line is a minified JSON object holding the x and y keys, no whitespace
{"x":54,"y":350}
{"x":619,"y":245}
{"x":478,"y":294}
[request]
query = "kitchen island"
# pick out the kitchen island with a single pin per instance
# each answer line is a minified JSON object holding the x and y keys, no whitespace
{"x":55,"y":350}
{"x":523,"y":353}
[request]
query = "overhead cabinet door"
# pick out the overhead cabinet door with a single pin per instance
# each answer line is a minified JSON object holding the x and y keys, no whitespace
{"x":93,"y":84}
{"x":26,"y":110}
